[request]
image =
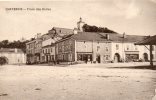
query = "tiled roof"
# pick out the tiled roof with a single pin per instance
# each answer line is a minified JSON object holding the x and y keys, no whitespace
{"x":85,"y":36}
{"x":94,"y":36}
{"x":148,"y":41}
{"x":63,"y":31}
{"x":128,"y":38}
{"x":49,"y":45}
{"x":88,"y":36}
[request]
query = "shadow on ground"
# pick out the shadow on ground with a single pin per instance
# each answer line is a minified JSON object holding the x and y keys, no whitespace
{"x":137,"y":67}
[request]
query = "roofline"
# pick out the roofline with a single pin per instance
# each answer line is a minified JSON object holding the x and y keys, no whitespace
{"x":62,"y":28}
{"x":147,"y":41}
{"x":48,"y":46}
{"x":31,"y":41}
{"x":62,"y":40}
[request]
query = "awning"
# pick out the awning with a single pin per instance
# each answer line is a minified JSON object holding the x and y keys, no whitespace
{"x":148,"y":41}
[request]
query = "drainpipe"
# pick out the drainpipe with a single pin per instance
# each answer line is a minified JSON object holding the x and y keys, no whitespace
{"x":75,"y":51}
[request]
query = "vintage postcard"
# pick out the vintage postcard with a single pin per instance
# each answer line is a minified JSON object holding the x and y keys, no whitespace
{"x":78,"y":50}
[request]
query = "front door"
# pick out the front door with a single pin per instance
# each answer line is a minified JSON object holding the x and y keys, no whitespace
{"x":116,"y":58}
{"x":98,"y":59}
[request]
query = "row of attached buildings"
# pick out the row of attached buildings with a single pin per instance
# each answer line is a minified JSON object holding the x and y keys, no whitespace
{"x":74,"y":45}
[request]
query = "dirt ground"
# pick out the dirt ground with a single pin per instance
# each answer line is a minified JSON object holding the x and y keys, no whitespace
{"x":75,"y":82}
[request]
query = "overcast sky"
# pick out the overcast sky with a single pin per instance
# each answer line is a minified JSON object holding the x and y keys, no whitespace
{"x":134,"y":17}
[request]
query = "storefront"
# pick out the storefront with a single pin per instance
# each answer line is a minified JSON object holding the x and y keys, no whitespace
{"x":84,"y":57}
{"x":132,"y":56}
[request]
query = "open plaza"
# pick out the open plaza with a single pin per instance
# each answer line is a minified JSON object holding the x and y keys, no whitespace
{"x":116,"y":81}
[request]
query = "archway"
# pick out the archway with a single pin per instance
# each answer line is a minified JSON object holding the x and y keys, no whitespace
{"x":116,"y":57}
{"x":3,"y":60}
{"x":145,"y":56}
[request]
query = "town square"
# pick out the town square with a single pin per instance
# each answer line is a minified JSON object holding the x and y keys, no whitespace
{"x":76,"y":82}
{"x":78,"y":50}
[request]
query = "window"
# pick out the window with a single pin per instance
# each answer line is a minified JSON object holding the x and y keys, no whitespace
{"x":79,"y":57}
{"x":127,"y":47}
{"x":43,"y":50}
{"x":152,"y":48}
{"x":107,"y":57}
{"x":51,"y":49}
{"x":63,"y":58}
{"x":136,"y":48}
{"x":106,"y":49}
{"x":98,"y":48}
{"x":117,"y":46}
{"x":152,"y":56}
{"x":46,"y":50}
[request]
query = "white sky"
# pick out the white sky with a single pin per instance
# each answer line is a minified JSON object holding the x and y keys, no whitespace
{"x":130,"y":16}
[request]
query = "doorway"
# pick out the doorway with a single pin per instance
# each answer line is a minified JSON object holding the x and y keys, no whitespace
{"x":98,"y":58}
{"x":116,"y":58}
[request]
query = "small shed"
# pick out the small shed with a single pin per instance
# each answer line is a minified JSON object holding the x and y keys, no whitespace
{"x":148,"y":41}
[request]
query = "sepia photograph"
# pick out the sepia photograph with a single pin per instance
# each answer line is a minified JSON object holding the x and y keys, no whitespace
{"x":78,"y":50}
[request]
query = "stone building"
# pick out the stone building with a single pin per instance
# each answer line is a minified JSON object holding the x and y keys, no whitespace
{"x":101,"y":48}
{"x":13,"y":56}
{"x":83,"y":46}
{"x":33,"y":49}
{"x":48,"y":53}
{"x":74,"y":45}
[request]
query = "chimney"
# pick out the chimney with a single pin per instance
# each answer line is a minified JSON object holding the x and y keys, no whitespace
{"x":107,"y":36}
{"x":75,"y":31}
{"x":124,"y":35}
{"x":38,"y":35}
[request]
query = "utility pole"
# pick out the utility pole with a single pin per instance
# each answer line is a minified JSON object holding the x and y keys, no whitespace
{"x":151,"y":56}
{"x":123,"y":53}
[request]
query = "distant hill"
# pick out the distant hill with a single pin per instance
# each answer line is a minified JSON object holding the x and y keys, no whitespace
{"x":89,"y":28}
{"x":14,"y":44}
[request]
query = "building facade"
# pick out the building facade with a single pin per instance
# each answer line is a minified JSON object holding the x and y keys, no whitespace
{"x":48,"y":54}
{"x":101,"y":48}
{"x":74,"y":45}
{"x":42,"y":49}
{"x":13,"y":56}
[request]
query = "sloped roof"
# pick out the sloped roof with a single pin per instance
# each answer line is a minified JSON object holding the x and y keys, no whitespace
{"x":52,"y":44}
{"x":88,"y":36}
{"x":63,"y":31}
{"x":85,"y":36}
{"x":95,"y":36}
{"x":148,"y":41}
{"x":128,"y":38}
